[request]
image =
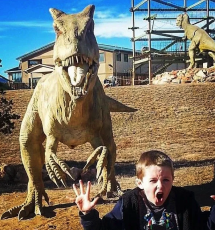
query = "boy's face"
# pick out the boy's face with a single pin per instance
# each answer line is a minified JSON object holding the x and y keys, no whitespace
{"x":156,"y":183}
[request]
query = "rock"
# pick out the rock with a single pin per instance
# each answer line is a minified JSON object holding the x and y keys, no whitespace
{"x":7,"y":172}
{"x":76,"y":173}
{"x":200,"y":76}
{"x":89,"y":175}
{"x":194,"y":75}
{"x":21,"y":177}
{"x":176,"y":81}
{"x":45,"y":175}
{"x":210,"y":79}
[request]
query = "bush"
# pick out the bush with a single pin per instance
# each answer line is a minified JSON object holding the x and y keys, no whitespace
{"x":6,"y":125}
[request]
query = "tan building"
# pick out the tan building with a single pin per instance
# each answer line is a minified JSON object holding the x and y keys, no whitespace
{"x":114,"y":61}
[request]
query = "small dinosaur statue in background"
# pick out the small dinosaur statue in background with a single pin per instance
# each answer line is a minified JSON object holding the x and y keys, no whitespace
{"x":68,"y":106}
{"x":200,"y":40}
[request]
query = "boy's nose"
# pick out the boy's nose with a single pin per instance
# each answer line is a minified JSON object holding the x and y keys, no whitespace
{"x":159,"y":185}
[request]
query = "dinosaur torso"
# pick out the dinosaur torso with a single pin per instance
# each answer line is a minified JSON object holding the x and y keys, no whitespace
{"x":70,"y":126}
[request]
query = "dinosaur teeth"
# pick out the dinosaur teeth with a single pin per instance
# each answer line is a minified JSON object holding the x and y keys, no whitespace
{"x":77,"y":59}
{"x":77,"y":74}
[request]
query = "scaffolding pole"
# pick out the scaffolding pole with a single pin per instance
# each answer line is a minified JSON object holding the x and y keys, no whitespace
{"x":133,"y":44}
{"x":150,"y":31}
{"x":149,"y":42}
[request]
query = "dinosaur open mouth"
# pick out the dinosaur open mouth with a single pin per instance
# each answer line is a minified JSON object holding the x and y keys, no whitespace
{"x":79,"y":68}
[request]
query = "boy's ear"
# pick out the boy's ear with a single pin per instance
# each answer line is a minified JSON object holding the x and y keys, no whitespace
{"x":139,"y":183}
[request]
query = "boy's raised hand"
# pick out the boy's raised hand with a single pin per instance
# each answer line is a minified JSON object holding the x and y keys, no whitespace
{"x":83,"y":199}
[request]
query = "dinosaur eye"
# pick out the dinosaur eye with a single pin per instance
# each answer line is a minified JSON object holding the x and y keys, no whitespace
{"x":57,"y":30}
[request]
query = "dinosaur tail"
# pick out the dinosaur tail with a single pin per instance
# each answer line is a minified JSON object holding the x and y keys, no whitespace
{"x":116,"y":106}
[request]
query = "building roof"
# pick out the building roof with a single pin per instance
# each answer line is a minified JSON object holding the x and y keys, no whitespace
{"x":3,"y":79}
{"x":40,"y":68}
{"x":15,"y":69}
{"x":51,"y":45}
{"x":113,"y":48}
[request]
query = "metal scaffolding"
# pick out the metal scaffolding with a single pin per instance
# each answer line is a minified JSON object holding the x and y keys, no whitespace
{"x":202,"y":9}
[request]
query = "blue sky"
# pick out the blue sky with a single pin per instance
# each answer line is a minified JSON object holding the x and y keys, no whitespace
{"x":26,"y":25}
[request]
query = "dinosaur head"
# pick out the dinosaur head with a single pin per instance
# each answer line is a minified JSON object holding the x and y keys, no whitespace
{"x":181,"y":19}
{"x":76,"y":52}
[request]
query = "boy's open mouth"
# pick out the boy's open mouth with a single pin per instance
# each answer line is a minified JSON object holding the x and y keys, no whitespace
{"x":159,"y":196}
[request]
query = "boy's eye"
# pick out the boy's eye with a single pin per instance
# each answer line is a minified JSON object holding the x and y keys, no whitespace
{"x":152,"y":180}
{"x":166,"y":180}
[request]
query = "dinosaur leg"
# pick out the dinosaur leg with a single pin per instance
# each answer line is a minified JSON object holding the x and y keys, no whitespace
{"x":212,"y":54}
{"x":56,"y":168}
{"x":32,"y":152}
{"x":113,"y":187}
{"x":192,"y":54}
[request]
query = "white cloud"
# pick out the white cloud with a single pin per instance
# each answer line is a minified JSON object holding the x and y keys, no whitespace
{"x":108,"y":27}
{"x":43,"y":24}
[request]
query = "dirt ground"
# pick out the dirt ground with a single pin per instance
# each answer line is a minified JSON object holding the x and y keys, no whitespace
{"x":179,"y":120}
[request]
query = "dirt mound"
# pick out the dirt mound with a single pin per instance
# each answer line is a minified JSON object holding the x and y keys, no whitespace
{"x":178,"y":119}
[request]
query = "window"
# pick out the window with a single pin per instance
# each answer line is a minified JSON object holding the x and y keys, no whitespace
{"x":118,"y":56}
{"x":17,"y":77}
{"x":34,"y":81}
{"x":101,"y":57}
{"x":34,"y":62}
{"x":125,"y":57}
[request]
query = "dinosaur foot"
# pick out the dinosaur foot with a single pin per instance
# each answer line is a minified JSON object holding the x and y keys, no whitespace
{"x":113,"y":189}
{"x":57,"y":170}
{"x":32,"y":204}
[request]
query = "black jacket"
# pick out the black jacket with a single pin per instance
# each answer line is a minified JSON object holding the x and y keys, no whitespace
{"x":127,"y":213}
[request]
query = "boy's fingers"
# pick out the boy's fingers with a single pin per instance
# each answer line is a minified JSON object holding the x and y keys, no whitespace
{"x":75,"y":189}
{"x":95,"y":201}
{"x":88,"y":189}
{"x":81,"y":186}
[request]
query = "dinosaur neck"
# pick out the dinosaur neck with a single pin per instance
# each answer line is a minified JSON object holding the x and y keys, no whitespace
{"x":185,"y":23}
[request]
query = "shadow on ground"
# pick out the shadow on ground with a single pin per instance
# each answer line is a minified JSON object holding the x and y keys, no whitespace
{"x":127,"y":169}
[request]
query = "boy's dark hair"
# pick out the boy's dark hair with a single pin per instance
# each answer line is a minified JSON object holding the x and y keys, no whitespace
{"x":152,"y":157}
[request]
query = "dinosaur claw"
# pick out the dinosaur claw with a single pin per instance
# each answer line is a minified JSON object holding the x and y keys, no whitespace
{"x":64,"y":183}
{"x":54,"y":180}
{"x":38,"y":210}
{"x":5,"y":215}
{"x":22,"y":215}
{"x":69,"y":174}
{"x":98,"y":174}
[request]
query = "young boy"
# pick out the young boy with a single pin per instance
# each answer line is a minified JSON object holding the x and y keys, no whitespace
{"x":155,"y":203}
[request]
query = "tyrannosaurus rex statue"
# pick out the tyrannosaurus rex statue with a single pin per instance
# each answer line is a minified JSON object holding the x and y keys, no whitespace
{"x":200,"y":40}
{"x":68,"y":106}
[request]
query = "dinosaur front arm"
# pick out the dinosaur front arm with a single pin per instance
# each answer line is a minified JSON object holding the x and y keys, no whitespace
{"x":56,"y":168}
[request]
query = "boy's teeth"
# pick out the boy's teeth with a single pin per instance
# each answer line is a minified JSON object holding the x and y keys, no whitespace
{"x":159,"y":195}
